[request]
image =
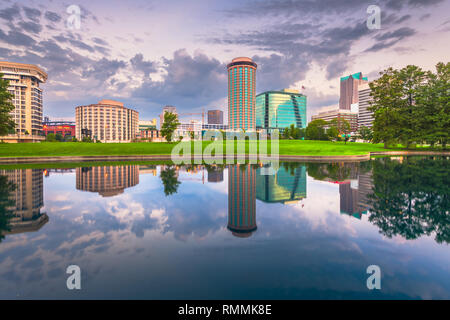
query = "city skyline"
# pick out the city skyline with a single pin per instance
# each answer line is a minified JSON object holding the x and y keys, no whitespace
{"x":184,"y":65}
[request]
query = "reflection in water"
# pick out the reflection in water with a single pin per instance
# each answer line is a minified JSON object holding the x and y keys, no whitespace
{"x":27,"y":199}
{"x":242,"y":200}
{"x":181,"y":241}
{"x":287,"y":185}
{"x":107,"y":181}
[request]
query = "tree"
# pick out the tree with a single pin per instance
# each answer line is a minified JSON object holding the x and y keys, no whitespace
{"x":342,"y":126}
{"x":291,"y":132}
{"x":59,"y":137}
{"x":316,"y":130}
{"x":7,"y":124}
{"x":50,"y":137}
{"x":169,"y":180}
{"x":169,"y":126}
{"x":6,"y":204}
{"x":365,"y":133}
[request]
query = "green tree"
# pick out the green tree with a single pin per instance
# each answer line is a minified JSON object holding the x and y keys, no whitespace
{"x":6,"y":204}
{"x":365,"y":133}
{"x":7,"y":124}
{"x":341,"y":126}
{"x":169,"y":180}
{"x":291,"y":132}
{"x":316,"y":130}
{"x":169,"y":126}
{"x":59,"y":137}
{"x":50,"y":137}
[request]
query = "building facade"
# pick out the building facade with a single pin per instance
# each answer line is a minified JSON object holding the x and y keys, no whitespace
{"x":108,"y":181}
{"x":351,"y":117}
{"x":65,"y":128}
{"x":365,"y":116}
{"x":27,"y":195}
{"x":241,"y":94}
{"x":242,"y":200}
{"x":349,"y":90}
{"x":107,"y":121}
{"x":215,"y":117}
{"x":144,"y":124}
{"x":280,"y":109}
{"x":24,"y":84}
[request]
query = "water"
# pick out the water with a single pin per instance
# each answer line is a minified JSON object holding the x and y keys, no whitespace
{"x":166,"y":232}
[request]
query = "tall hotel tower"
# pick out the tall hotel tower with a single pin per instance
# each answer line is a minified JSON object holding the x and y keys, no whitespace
{"x":241,"y":94}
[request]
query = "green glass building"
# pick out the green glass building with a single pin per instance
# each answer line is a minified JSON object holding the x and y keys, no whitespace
{"x":287,"y":185}
{"x":280,"y":109}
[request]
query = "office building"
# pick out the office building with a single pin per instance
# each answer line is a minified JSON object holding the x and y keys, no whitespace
{"x":242,"y":200}
{"x":215,"y":117}
{"x":108,"y":181}
{"x":280,"y":109}
{"x":24,"y":84}
{"x":27,"y":196}
{"x":349,"y":90}
{"x":285,"y":186}
{"x":241,"y":94}
{"x":170,"y":109}
{"x":365,"y":116}
{"x":186,"y":128}
{"x":107,"y":121}
{"x":351,"y":117}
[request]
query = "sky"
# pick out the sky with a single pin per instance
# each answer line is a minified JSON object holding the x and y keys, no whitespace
{"x":149,"y":54}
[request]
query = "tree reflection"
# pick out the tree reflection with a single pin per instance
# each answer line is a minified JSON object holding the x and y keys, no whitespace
{"x":169,"y":179}
{"x":411,"y":198}
{"x":6,"y":205}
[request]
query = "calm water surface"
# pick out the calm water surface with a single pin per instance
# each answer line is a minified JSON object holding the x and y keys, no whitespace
{"x":228,"y":232}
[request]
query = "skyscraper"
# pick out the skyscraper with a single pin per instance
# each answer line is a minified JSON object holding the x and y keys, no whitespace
{"x":215,"y":117}
{"x":349,"y":90}
{"x":24,"y":81}
{"x":241,"y":200}
{"x":280,"y":109}
{"x":241,"y":94}
{"x":365,"y":116}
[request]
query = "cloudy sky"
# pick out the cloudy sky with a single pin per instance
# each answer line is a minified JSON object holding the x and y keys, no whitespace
{"x":152,"y":53}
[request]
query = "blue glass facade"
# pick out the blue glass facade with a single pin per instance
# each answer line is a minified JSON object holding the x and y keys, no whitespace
{"x":280,"y":109}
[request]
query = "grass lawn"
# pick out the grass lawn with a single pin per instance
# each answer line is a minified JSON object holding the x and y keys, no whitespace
{"x":287,"y":147}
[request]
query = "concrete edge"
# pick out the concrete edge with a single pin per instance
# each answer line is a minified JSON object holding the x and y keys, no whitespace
{"x":350,"y":158}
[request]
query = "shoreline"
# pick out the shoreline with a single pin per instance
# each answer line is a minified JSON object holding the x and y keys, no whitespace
{"x":312,"y":158}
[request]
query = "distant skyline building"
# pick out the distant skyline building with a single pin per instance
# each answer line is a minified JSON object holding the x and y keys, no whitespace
{"x":349,"y":90}
{"x":365,"y":116}
{"x":351,"y":117}
{"x":215,"y":117}
{"x":241,"y":94}
{"x":24,"y":84}
{"x":242,"y":200}
{"x":170,"y":109}
{"x":108,"y":181}
{"x":280,"y":109}
{"x":147,"y":124}
{"x":285,"y":186}
{"x":107,"y":121}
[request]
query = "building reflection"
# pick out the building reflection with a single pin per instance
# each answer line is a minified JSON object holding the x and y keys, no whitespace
{"x":215,"y":174}
{"x":287,"y":185}
{"x":354,"y":195}
{"x":108,"y":181}
{"x":242,"y":200}
{"x":27,"y":198}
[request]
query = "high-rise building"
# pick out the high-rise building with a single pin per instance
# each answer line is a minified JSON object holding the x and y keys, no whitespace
{"x":107,"y":121}
{"x":349,"y":90}
{"x":24,"y":84}
{"x":241,"y":94}
{"x":280,"y":109}
{"x":215,"y":117}
{"x":27,"y":196}
{"x":108,"y":181}
{"x":242,"y":200}
{"x":170,"y":109}
{"x":365,"y":116}
{"x":285,"y":186}
{"x":351,"y":117}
